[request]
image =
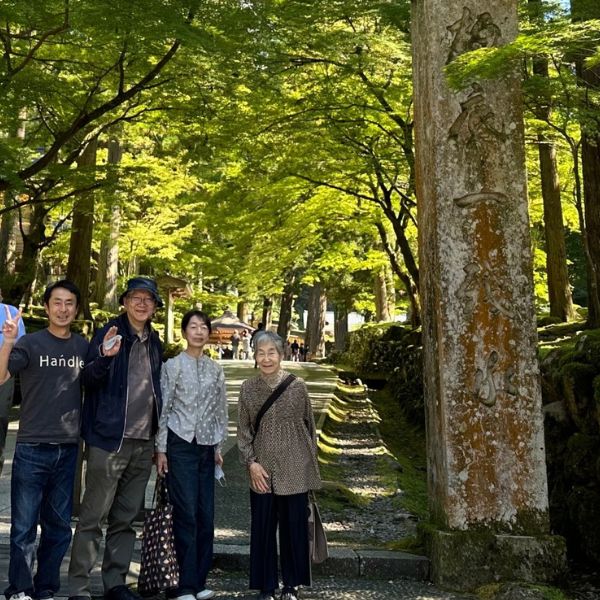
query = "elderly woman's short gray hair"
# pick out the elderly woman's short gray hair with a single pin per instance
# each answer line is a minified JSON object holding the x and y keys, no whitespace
{"x":269,"y":337}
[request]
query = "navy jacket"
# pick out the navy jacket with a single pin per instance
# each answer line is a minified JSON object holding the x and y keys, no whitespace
{"x":105,"y":381}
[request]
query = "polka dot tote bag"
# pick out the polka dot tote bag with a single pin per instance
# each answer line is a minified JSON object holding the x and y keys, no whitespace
{"x":158,"y":570}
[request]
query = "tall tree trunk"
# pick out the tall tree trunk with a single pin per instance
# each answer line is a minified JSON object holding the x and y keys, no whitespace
{"x":267,"y":313}
{"x":40,"y":276}
{"x":391,"y":292}
{"x":315,"y":322}
{"x":340,"y":328}
{"x":414,"y":302}
{"x":133,"y":265}
{"x":80,"y":247}
{"x":559,"y":289}
{"x":287,"y":304}
{"x":8,"y":236}
{"x":242,"y":311}
{"x":108,"y":265}
{"x":9,"y":229}
{"x":285,"y":312}
{"x":590,"y":165}
{"x":34,"y":238}
{"x":381,"y":296}
{"x":410,"y":285}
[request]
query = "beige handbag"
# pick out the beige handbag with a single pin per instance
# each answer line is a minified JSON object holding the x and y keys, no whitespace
{"x":317,"y":539}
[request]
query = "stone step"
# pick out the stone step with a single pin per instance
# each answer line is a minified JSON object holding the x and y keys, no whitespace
{"x":342,"y":562}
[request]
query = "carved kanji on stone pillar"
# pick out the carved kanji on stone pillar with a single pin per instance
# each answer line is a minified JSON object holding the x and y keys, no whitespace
{"x":487,"y":476}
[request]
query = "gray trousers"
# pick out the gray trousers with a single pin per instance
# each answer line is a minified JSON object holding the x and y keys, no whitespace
{"x":6,"y":396}
{"x":115,"y":484}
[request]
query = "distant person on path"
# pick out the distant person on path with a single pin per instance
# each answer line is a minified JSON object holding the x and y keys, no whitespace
{"x":49,"y":363}
{"x":302,"y":352}
{"x":295,"y":347}
{"x":7,"y":311}
{"x":192,"y":429}
{"x":245,"y":345}
{"x":120,"y":418}
{"x":281,"y":457}
{"x":259,"y":328}
{"x":287,"y":350}
{"x":235,"y":344}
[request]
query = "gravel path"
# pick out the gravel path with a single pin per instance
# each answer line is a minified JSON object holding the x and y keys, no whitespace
{"x":362,"y":452}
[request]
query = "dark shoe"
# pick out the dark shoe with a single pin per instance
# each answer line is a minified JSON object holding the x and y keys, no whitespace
{"x":79,"y":598}
{"x":266,"y":596}
{"x":289,"y":594}
{"x":121,"y":592}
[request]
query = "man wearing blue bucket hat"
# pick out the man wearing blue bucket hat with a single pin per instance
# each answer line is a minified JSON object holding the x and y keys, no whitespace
{"x":119,"y":419}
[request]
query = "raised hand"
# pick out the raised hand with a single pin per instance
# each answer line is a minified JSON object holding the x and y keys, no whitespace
{"x":10,"y":327}
{"x":111,"y":343}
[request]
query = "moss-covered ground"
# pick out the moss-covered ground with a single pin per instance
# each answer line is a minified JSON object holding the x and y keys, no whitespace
{"x":369,"y":456}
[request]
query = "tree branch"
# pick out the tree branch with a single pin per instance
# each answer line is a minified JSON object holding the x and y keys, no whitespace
{"x":40,"y":42}
{"x":84,"y":119}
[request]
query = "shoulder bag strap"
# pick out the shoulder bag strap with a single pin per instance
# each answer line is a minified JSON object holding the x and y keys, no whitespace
{"x":270,"y":400}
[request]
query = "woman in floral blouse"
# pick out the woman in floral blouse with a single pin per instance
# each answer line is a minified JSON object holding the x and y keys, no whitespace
{"x":192,"y":429}
{"x":281,"y":458}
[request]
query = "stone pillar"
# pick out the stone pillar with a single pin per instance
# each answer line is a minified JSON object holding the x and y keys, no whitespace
{"x":487,"y":476}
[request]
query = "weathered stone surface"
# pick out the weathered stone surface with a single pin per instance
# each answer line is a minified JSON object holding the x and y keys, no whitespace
{"x":380,"y":564}
{"x":465,"y":560}
{"x":486,"y":448}
{"x":486,"y":458}
{"x":341,"y":561}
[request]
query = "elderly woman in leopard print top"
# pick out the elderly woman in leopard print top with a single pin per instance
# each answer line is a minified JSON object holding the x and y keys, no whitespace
{"x":281,"y":458}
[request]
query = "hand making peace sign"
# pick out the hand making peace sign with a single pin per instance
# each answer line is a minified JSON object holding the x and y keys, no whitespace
{"x":10,"y":327}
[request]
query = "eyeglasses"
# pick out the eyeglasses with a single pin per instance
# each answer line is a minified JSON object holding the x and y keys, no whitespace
{"x":145,"y":300}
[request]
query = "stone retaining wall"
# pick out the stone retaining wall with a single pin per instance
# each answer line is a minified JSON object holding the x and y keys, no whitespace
{"x":571,"y":394}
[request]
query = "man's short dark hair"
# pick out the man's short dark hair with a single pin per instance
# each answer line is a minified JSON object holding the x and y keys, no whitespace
{"x":64,"y":284}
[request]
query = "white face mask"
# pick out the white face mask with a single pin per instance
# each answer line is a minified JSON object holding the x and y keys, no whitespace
{"x":220,"y":476}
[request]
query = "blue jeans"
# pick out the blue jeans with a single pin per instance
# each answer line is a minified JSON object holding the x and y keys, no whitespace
{"x":41,"y":491}
{"x":191,"y":484}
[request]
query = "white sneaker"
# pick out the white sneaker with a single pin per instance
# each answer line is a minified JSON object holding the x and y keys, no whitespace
{"x":205,"y":594}
{"x":20,"y":596}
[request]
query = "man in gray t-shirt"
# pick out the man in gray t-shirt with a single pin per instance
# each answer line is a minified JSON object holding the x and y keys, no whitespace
{"x":49,"y":363}
{"x":50,"y":368}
